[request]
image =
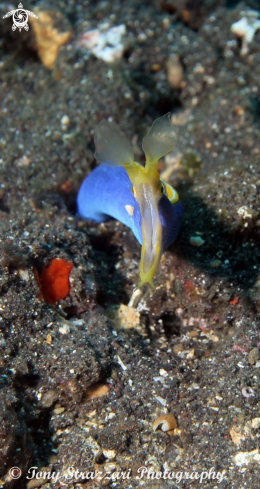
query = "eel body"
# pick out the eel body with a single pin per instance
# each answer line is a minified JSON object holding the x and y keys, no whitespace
{"x":122,"y":189}
{"x":107,"y":193}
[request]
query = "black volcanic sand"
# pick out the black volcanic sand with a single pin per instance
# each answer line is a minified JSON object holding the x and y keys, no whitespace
{"x":190,"y":350}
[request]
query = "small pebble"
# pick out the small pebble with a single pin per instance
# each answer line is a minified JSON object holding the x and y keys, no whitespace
{"x":178,"y":348}
{"x":215,"y":263}
{"x":65,"y":120}
{"x":49,"y":339}
{"x":109,"y":453}
{"x":236,"y":435}
{"x":193,"y":334}
{"x":64,"y":329}
{"x":24,"y":161}
{"x":255,"y":423}
{"x":36,"y":483}
{"x":163,"y":372}
{"x":196,"y":241}
{"x":97,"y":390}
{"x":49,"y":398}
{"x":245,"y":458}
{"x":253,"y":356}
{"x":24,"y":274}
{"x":190,"y":354}
{"x":59,"y":410}
{"x":174,"y":71}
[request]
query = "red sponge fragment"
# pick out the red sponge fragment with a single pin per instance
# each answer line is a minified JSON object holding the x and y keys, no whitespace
{"x":54,"y":281}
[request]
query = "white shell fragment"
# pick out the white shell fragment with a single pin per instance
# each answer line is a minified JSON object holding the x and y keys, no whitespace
{"x":110,"y":454}
{"x":105,"y":43}
{"x":166,"y":422}
{"x":255,"y":423}
{"x":64,"y":329}
{"x":245,"y":28}
{"x":246,"y":212}
{"x":64,"y":122}
{"x":246,"y":458}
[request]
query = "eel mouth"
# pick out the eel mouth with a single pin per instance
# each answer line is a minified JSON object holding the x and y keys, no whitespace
{"x":148,"y":200}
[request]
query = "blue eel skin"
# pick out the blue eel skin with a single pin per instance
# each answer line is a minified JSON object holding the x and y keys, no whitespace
{"x":107,"y":190}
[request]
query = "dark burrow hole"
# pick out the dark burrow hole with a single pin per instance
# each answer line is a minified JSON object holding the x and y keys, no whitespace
{"x":28,"y":380}
{"x":171,"y":324}
{"x":4,"y":207}
{"x":165,"y":104}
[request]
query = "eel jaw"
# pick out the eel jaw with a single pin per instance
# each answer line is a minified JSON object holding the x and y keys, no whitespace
{"x":148,"y":199}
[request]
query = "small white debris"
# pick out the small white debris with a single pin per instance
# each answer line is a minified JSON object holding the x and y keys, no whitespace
{"x":246,"y":458}
{"x":246,"y":212}
{"x":240,"y":365}
{"x":78,"y":322}
{"x":255,"y":423}
{"x":163,"y":372}
{"x":24,"y":161}
{"x":248,"y":392}
{"x":211,"y":336}
{"x":24,"y":274}
{"x":246,"y":28}
{"x":237,"y":435}
{"x":65,"y":120}
{"x":93,"y":445}
{"x":121,"y":363}
{"x":196,"y":241}
{"x":105,"y":43}
{"x":158,"y":378}
{"x":110,"y":416}
{"x":64,"y":329}
{"x":162,"y":401}
{"x":219,"y":398}
{"x":110,"y":454}
{"x":191,"y":354}
{"x":179,"y":311}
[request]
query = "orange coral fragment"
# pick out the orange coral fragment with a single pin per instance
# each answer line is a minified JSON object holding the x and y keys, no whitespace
{"x":48,"y":38}
{"x":234,"y":301}
{"x":54,"y":281}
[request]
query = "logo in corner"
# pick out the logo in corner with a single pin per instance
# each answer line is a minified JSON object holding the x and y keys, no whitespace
{"x":20,"y":17}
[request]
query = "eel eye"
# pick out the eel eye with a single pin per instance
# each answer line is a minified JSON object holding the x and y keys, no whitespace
{"x":163,"y":188}
{"x":170,"y":192}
